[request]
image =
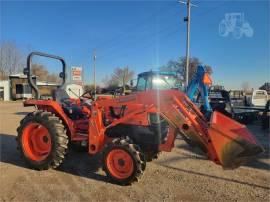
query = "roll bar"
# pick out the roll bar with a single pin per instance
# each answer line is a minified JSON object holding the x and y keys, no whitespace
{"x":27,"y":70}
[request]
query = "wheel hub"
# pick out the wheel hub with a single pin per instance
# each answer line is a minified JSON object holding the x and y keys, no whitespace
{"x":120,"y":163}
{"x":45,"y":139}
{"x":36,"y":141}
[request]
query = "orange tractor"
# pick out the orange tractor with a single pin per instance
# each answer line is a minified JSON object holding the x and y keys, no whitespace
{"x":128,"y":130}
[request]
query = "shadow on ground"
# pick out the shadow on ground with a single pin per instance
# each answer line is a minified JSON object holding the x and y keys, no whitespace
{"x":188,"y":152}
{"x":21,"y":113}
{"x":214,"y":177}
{"x":75,"y":163}
{"x":257,"y":162}
{"x":83,"y":165}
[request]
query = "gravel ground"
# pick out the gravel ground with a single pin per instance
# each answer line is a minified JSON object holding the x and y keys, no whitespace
{"x":181,"y":175}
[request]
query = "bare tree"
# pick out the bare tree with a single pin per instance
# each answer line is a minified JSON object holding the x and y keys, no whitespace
{"x":40,"y":71}
{"x":209,"y":69}
{"x":90,"y":87}
{"x":193,"y":64}
{"x":109,"y":82}
{"x":11,"y":59}
{"x":245,"y":86}
{"x":120,"y":77}
{"x":180,"y":64}
{"x":43,"y":75}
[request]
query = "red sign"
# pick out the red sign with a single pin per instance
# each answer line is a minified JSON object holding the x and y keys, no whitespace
{"x":76,"y":74}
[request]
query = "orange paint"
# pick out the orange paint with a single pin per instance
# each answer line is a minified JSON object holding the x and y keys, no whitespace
{"x":36,"y":142}
{"x":120,"y":163}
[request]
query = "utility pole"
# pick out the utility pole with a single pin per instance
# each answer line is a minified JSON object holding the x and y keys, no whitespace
{"x":94,"y":66}
{"x":187,"y":19}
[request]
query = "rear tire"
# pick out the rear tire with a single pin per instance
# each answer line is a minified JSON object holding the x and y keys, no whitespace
{"x":123,"y":162}
{"x":42,"y":140}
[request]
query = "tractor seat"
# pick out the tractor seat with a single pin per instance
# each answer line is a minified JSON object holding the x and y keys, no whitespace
{"x":72,"y":110}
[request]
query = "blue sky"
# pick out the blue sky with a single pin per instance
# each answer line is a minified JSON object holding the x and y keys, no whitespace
{"x":142,"y":35}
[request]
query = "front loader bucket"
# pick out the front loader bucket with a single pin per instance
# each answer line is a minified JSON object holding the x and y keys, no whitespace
{"x":232,"y":142}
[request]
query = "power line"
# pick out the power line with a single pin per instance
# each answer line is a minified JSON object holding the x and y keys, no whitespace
{"x":199,"y":14}
{"x":149,"y":35}
{"x":207,"y":12}
{"x":104,"y":44}
{"x":147,"y":45}
{"x":116,"y":42}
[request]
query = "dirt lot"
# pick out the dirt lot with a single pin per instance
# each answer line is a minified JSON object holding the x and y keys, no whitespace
{"x":181,"y":175}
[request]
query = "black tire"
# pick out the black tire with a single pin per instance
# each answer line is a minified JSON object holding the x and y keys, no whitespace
{"x":151,"y":155}
{"x":266,"y":116}
{"x":139,"y":162}
{"x":57,"y":133}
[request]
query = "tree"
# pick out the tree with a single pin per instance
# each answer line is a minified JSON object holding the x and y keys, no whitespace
{"x":180,"y":64}
{"x":39,"y":71}
{"x":109,"y":82}
{"x":90,"y":87}
{"x":43,"y":75}
{"x":11,"y":59}
{"x":209,"y":69}
{"x":119,"y":77}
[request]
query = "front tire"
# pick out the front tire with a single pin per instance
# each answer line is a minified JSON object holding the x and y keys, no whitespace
{"x":123,"y":161}
{"x":42,"y":140}
{"x":151,"y":155}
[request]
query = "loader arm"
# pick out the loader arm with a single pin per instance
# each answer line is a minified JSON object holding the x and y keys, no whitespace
{"x":200,"y":81}
{"x":225,"y":141}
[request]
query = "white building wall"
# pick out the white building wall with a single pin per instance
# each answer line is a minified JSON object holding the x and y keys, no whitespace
{"x":6,"y":86}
